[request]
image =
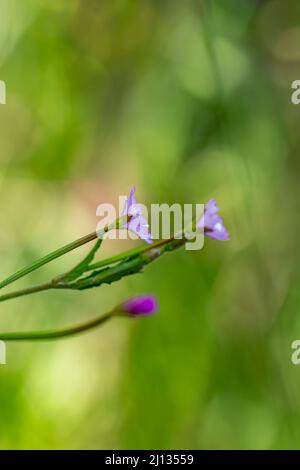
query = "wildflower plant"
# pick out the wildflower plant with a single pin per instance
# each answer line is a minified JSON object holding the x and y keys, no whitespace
{"x":89,"y":273}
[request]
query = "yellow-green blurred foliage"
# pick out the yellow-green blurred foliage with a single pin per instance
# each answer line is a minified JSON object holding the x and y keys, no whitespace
{"x":187,"y":100}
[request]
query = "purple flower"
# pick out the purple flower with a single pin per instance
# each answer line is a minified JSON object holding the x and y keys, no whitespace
{"x":141,"y":305}
{"x":137,"y":222}
{"x":212,"y":223}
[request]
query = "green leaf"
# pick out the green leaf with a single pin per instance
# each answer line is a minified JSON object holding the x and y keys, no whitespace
{"x":81,"y":267}
{"x":111,"y":274}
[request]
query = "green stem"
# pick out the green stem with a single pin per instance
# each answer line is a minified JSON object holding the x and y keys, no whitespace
{"x":141,"y":249}
{"x":128,"y":254}
{"x":57,"y":333}
{"x":61,"y":251}
{"x":55,"y":284}
{"x":27,"y":291}
{"x":46,"y":259}
{"x":165,"y":245}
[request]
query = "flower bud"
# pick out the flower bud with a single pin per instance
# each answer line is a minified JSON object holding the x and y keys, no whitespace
{"x":141,"y":305}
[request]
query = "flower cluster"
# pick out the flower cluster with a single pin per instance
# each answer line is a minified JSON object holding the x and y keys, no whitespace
{"x":211,"y":222}
{"x":89,"y":274}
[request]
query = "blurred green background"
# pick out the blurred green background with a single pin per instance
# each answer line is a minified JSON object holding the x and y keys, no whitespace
{"x":187,"y":100}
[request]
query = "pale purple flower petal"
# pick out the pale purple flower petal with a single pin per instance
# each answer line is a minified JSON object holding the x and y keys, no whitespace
{"x":212,"y":223}
{"x":140,"y":226}
{"x":137,"y":222}
{"x":131,"y":201}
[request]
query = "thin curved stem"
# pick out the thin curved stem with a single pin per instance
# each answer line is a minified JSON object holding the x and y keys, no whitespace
{"x":57,"y":333}
{"x":46,"y":259}
{"x":166,"y":245}
{"x":172,"y":242}
{"x":128,"y":254}
{"x":62,"y":251}
{"x":27,"y":291}
{"x":59,"y":285}
{"x":140,"y":249}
